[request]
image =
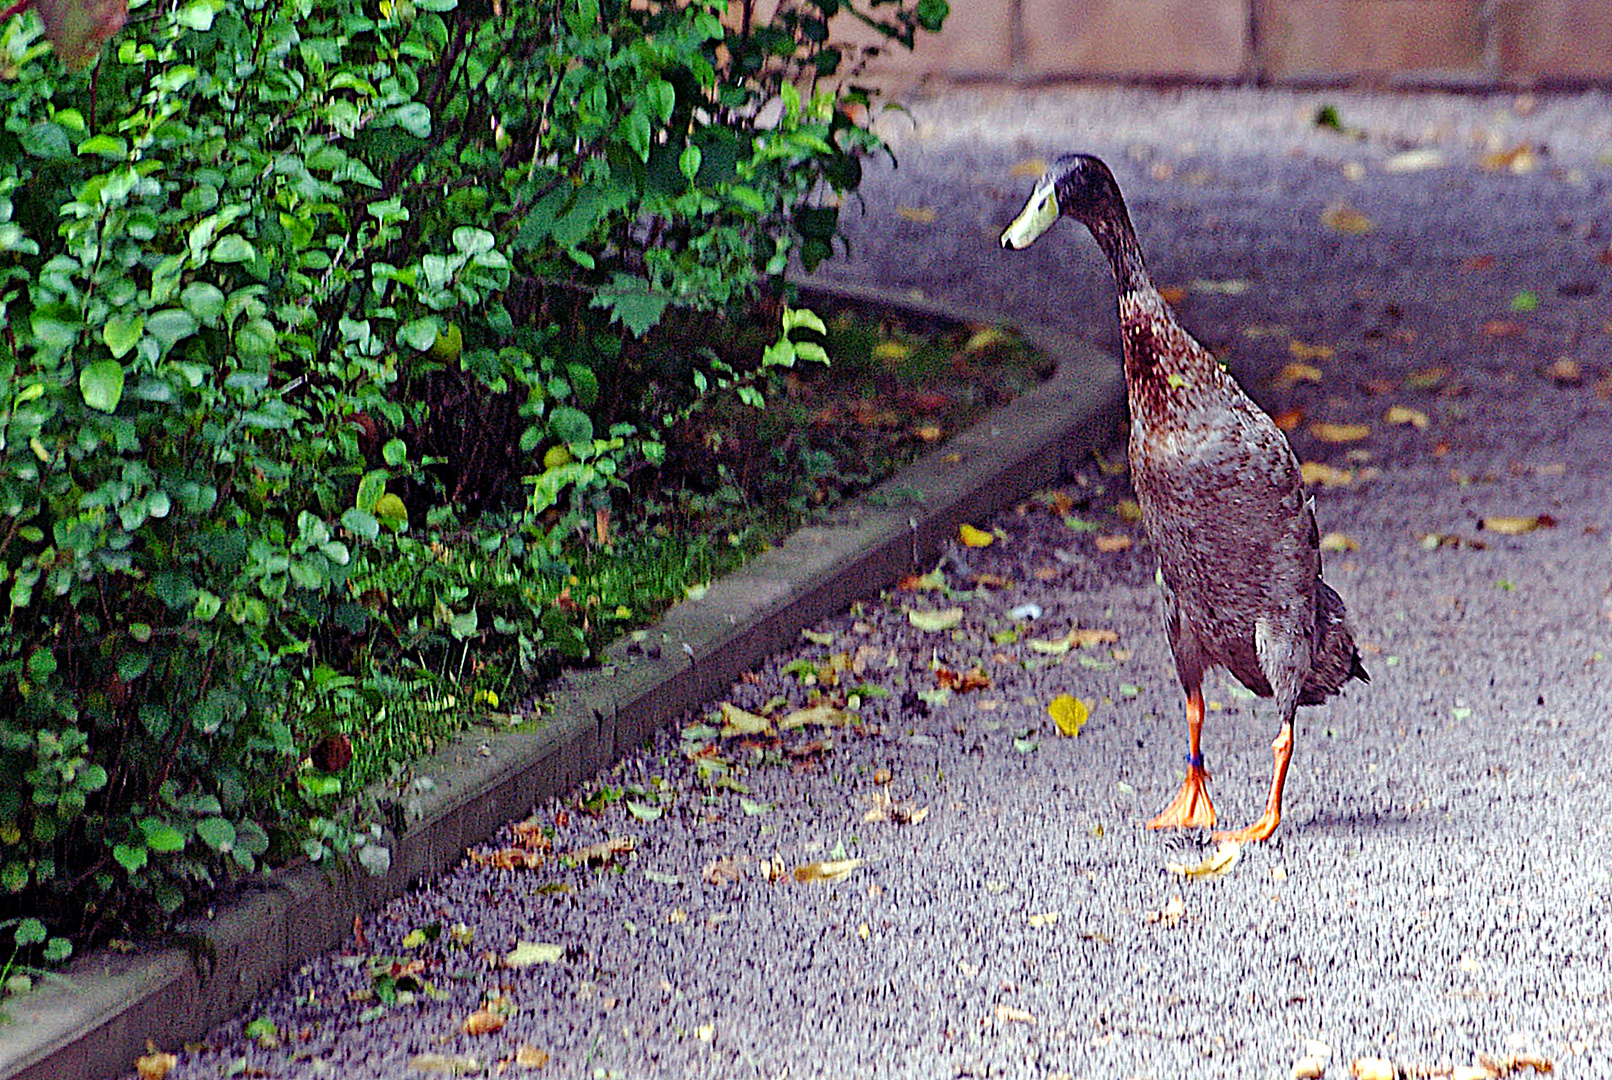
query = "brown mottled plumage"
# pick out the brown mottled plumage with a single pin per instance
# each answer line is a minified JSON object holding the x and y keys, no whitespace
{"x":1222,"y":501}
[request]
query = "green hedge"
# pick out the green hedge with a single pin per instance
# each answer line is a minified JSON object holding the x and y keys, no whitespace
{"x":296,"y":294}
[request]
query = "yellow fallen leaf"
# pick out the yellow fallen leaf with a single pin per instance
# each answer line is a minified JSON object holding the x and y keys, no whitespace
{"x":482,"y":1022}
{"x":820,"y":715}
{"x":1372,"y":1069}
{"x":1517,"y":160}
{"x":974,"y":538}
{"x":1010,"y":1015}
{"x":527,"y":953}
{"x":1339,"y":433}
{"x":736,"y":721}
{"x":1294,"y":373}
{"x":921,"y":215}
{"x":1111,"y":542}
{"x":155,"y":1065}
{"x":984,"y":338}
{"x":1414,"y":161}
{"x":818,"y":637}
{"x":1045,"y":918}
{"x":530,"y":1057}
{"x":1304,"y":353}
{"x":1052,"y":647}
{"x":605,"y":851}
{"x":1403,"y":414}
{"x":1319,"y":473}
{"x":1069,"y":713}
{"x":891,"y":350}
{"x":1340,"y":217}
{"x":1171,"y":914}
{"x":1083,"y":637}
{"x":1508,"y":525}
{"x":832,"y":870}
{"x":935,"y":621}
{"x":1214,"y":865}
{"x":1337,"y":541}
{"x":1128,"y":510}
{"x":1309,"y":1067}
{"x":1031,"y":167}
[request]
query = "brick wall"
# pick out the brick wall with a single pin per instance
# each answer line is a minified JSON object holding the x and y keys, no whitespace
{"x":1450,"y":43}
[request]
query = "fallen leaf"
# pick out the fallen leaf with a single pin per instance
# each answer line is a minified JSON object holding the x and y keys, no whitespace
{"x":832,"y":870}
{"x":1502,"y":328}
{"x":723,"y":871}
{"x":1069,"y":713}
{"x":1372,"y":1069}
{"x":736,"y":721}
{"x":1478,"y":262}
{"x":1111,"y":542}
{"x":509,"y":858}
{"x":1337,"y":541}
{"x":1309,"y":1067}
{"x":1010,"y":1015}
{"x":882,"y":776}
{"x":1414,"y":161}
{"x":935,"y":621}
{"x":1517,"y":160}
{"x":929,"y":433}
{"x":1426,"y":378}
{"x":1525,"y":300}
{"x":1173,"y":295}
{"x":1030,"y":167}
{"x":1214,"y":865}
{"x":1128,"y":510}
{"x":820,"y":715}
{"x":1295,"y":372}
{"x":1228,"y":287}
{"x":818,"y":637}
{"x":1044,"y":919}
{"x":1171,"y":914}
{"x":1339,"y":433}
{"x":527,"y":953}
{"x":973,"y":679}
{"x":891,"y":350}
{"x":974,"y":538}
{"x":155,"y":1065}
{"x":530,"y":1057}
{"x":458,"y":1064}
{"x":604,"y":852}
{"x":921,"y":215}
{"x":1564,"y":371}
{"x":1319,"y":473}
{"x":1340,"y":217}
{"x":980,"y":340}
{"x":1509,"y":525}
{"x":1288,"y":419}
{"x":482,"y":1022}
{"x":1403,"y":414}
{"x":1303,"y":354}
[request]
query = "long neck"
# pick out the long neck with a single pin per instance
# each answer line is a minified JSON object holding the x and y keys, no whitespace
{"x":1114,"y":234}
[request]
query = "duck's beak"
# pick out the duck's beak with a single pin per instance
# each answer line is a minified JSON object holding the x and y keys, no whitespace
{"x":1036,"y":217}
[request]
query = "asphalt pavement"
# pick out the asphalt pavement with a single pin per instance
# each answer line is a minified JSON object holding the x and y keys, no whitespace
{"x":1423,"y":292}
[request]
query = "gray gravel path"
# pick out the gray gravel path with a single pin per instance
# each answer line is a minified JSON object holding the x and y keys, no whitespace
{"x":1439,"y":888}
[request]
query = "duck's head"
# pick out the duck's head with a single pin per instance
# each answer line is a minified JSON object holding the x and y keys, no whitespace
{"x":1078,"y":186}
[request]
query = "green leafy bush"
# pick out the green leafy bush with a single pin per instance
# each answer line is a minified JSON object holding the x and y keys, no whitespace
{"x":295,"y":295}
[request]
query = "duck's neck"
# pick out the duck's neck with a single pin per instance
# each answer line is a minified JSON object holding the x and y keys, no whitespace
{"x":1116,"y":237}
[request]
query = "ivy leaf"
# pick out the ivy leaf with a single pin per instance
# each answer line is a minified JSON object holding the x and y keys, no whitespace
{"x":101,"y":383}
{"x":122,"y":333}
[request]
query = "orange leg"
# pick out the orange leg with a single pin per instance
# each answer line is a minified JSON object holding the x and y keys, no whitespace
{"x":1191,"y":808}
{"x":1282,"y":748}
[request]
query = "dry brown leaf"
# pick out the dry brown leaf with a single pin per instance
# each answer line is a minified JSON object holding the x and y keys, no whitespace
{"x":1309,"y":1068}
{"x":1339,"y":433}
{"x":1478,"y":262}
{"x":530,"y":833}
{"x":1213,"y":865}
{"x":1403,"y":414}
{"x":482,"y":1022}
{"x":1501,"y":328}
{"x":1288,"y":419}
{"x":831,"y":870}
{"x":509,"y":858}
{"x":1517,"y":160}
{"x":973,"y":679}
{"x":604,"y":852}
{"x":928,"y":433}
{"x":155,"y":1065}
{"x":1173,"y":294}
{"x":1372,"y":1069}
{"x":1111,"y":542}
{"x":921,"y":215}
{"x":1032,"y":167}
{"x":1564,"y":371}
{"x":1340,"y":217}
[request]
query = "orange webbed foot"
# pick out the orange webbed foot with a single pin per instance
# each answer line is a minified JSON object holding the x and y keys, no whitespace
{"x":1259,"y":830}
{"x":1191,"y":808}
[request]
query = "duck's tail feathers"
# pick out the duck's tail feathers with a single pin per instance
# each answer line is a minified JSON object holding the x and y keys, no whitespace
{"x":1337,"y":660}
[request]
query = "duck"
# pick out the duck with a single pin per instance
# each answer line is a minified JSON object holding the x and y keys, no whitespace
{"x":1223,"y":504}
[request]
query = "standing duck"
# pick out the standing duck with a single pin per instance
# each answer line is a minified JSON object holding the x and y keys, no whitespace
{"x":1222,"y":501}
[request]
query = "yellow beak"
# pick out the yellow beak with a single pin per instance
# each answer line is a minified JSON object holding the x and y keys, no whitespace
{"x":1036,"y":217}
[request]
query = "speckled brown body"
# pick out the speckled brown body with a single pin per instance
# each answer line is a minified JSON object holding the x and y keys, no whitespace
{"x":1222,"y":500}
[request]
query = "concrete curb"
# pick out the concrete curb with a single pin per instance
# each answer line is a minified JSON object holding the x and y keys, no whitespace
{"x":96,"y":1023}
